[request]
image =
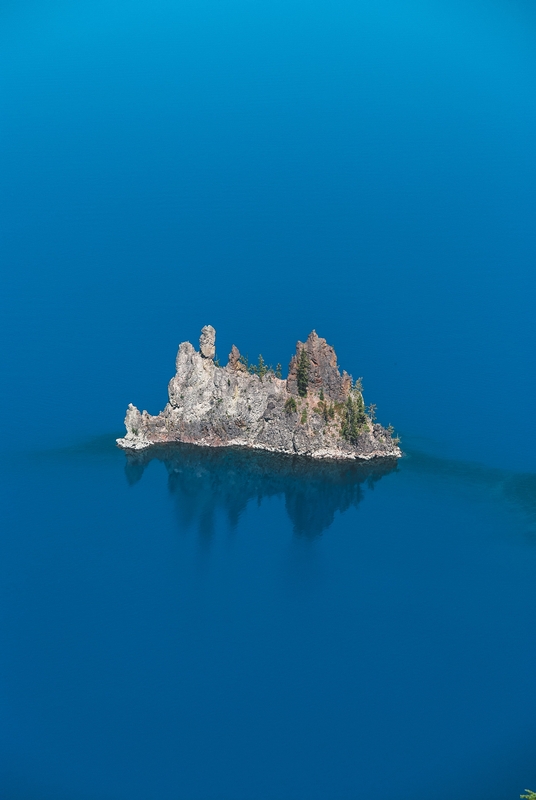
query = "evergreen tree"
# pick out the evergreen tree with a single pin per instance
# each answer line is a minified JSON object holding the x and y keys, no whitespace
{"x":290,"y":405}
{"x":278,"y":371}
{"x":262,"y":369}
{"x":353,"y":418}
{"x":302,"y":373}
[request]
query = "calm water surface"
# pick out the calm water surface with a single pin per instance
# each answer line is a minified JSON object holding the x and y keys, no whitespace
{"x":223,"y":626}
{"x":219,"y":624}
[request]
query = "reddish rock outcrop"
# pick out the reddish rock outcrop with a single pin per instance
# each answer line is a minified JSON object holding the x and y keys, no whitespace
{"x":234,"y":362}
{"x":323,"y":372}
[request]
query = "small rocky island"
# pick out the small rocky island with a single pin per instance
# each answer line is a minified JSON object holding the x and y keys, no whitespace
{"x":315,"y":412}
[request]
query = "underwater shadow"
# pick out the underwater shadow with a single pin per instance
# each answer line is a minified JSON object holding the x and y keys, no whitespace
{"x":206,"y":480}
{"x":515,"y":489}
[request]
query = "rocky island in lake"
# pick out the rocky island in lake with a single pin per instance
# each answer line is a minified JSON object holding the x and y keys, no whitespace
{"x":314,"y":412}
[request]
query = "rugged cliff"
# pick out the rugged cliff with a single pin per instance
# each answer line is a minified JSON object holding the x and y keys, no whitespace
{"x":316,"y":411}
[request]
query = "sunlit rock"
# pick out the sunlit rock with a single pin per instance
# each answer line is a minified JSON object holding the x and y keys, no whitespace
{"x":315,"y":412}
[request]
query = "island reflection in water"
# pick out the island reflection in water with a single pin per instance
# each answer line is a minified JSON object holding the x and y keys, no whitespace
{"x":205,"y":480}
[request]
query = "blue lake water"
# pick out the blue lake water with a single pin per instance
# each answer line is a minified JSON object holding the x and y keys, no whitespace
{"x":221,"y":625}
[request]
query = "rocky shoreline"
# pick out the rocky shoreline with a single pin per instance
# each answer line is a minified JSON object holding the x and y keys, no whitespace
{"x":315,"y":412}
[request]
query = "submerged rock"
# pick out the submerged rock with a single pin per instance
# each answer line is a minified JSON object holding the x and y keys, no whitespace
{"x":315,"y":412}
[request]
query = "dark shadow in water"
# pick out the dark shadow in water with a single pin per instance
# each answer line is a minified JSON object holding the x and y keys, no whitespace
{"x":516,"y":489}
{"x":204,"y":480}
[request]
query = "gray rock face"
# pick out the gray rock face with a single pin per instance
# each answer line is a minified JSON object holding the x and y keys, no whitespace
{"x":223,"y":406}
{"x":207,"y":341}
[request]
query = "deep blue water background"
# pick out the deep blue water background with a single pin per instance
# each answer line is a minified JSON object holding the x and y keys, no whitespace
{"x":219,"y":628}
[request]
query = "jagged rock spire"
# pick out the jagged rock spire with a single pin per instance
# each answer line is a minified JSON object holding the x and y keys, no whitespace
{"x":207,"y":342}
{"x":323,"y":370}
{"x":234,"y":360}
